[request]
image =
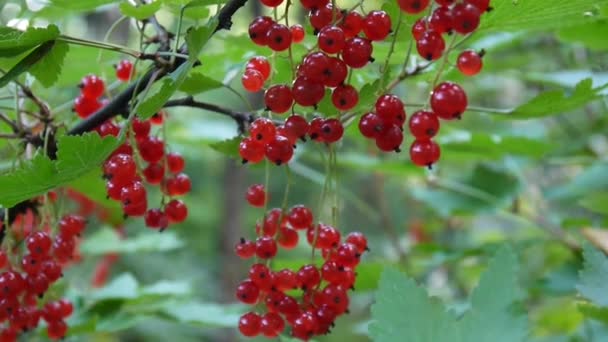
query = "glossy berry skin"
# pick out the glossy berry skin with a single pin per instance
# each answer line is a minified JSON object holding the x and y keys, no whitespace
{"x":358,"y":240}
{"x":250,"y":324}
{"x":430,"y":46}
{"x":70,"y":225}
{"x":265,"y":247}
{"x":424,"y":125}
{"x":469,"y":63}
{"x":3,"y":259}
{"x":482,"y":5}
{"x":441,"y":21}
{"x":178,"y":185}
{"x":38,"y":244}
{"x":316,"y":67}
{"x":272,"y":324}
{"x":300,"y":217}
{"x":323,"y":16}
{"x":120,"y":168}
{"x":357,"y":52}
{"x":247,"y":292}
{"x":413,"y":6}
{"x":252,"y":80}
{"x":262,"y":130}
{"x":156,"y":218}
{"x":390,"y":109}
{"x":278,"y":37}
{"x":176,"y":211}
{"x":424,"y":153}
{"x":297,"y":33}
{"x":465,"y":18}
{"x":377,"y":25}
{"x":271,"y":3}
{"x":176,"y":162}
{"x":307,"y":93}
{"x":85,"y":106}
{"x":296,"y":126}
{"x":151,"y":149}
{"x":279,"y":150}
{"x":390,"y":138}
{"x":332,"y":130}
{"x":419,"y":28}
{"x":258,"y":30}
{"x":345,"y":97}
{"x":278,"y":98}
{"x":331,"y":39}
{"x":448,"y":101}
{"x":259,"y":64}
{"x":308,"y":276}
{"x":256,"y":195}
{"x":445,"y":3}
{"x":288,"y":238}
{"x":92,"y":87}
{"x":245,"y":249}
{"x":141,"y":128}
{"x":251,"y":150}
{"x":336,"y":72}
{"x":352,"y":24}
{"x":370,"y":125}
{"x":154,"y":173}
{"x":124,"y":69}
{"x":56,"y":330}
{"x":312,"y":4}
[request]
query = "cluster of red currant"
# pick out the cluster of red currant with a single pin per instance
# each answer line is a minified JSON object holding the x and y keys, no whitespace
{"x":124,"y":177}
{"x":323,"y":295}
{"x":26,"y":279}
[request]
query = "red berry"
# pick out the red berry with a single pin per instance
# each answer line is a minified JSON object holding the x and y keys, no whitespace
{"x":63,"y":248}
{"x":124,"y":70}
{"x":154,"y":173}
{"x":315,"y":67}
{"x":419,"y":28}
{"x":377,"y":25}
{"x":247,"y":292}
{"x":424,"y":125}
{"x":38,"y":243}
{"x":352,"y":24}
{"x":256,"y":195}
{"x":448,"y":101}
{"x":52,"y":270}
{"x":445,"y":3}
{"x":297,"y":33}
{"x":245,"y":249}
{"x":176,"y":211}
{"x":357,"y":52}
{"x":141,"y":128}
{"x":300,"y":217}
{"x":335,"y":73}
{"x":358,"y":240}
{"x":389,"y":109}
{"x":71,"y":225}
{"x":261,"y":276}
{"x":66,"y":308}
{"x":271,"y":3}
{"x":469,"y":63}
{"x":56,"y":330}
{"x":251,"y":151}
{"x":278,"y":98}
{"x":331,"y":39}
{"x":296,"y":126}
{"x":108,"y":128}
{"x":314,"y":129}
{"x":482,"y":5}
{"x":156,"y":218}
{"x":424,"y":153}
{"x":466,"y":18}
{"x":347,"y":255}
{"x":441,"y":20}
{"x":370,"y":125}
{"x":309,"y":277}
{"x":85,"y":106}
{"x":279,"y":150}
{"x":3,"y":259}
{"x":259,"y":64}
{"x":250,"y":324}
{"x":278,"y":37}
{"x":158,"y":118}
{"x":252,"y":80}
{"x":332,"y":130}
{"x":345,"y":97}
{"x":265,"y":247}
{"x":92,"y":87}
{"x":312,"y":4}
{"x":262,"y":130}
{"x":322,"y":16}
{"x":120,"y":168}
{"x":304,"y":326}
{"x":336,"y":298}
{"x":307,"y":93}
{"x":176,"y":162}
{"x":133,"y":193}
{"x":31,"y":264}
{"x":413,"y":6}
{"x":258,"y":29}
{"x":272,"y":324}
{"x":288,"y":238}
{"x":390,"y":138}
{"x":430,"y":46}
{"x":151,"y":149}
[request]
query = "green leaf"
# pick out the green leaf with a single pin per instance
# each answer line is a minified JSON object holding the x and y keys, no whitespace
{"x":198,"y":3}
{"x":140,"y":12}
{"x":48,"y":69}
{"x":592,"y":35}
{"x":403,"y":311}
{"x":122,"y":287}
{"x":229,"y":147}
{"x":517,"y":15}
{"x":76,"y":156}
{"x":81,"y":5}
{"x":491,"y":146}
{"x":596,"y":202}
{"x":92,"y":185}
{"x":199,"y":36}
{"x":205,"y":314}
{"x":594,"y":312}
{"x":591,"y":179}
{"x":28,"y":62}
{"x":197,"y":83}
{"x":14,"y":42}
{"x":556,"y":102}
{"x":106,"y":241}
{"x":593,"y":278}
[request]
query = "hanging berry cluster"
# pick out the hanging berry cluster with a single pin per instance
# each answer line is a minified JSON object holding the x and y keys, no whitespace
{"x":308,"y":299}
{"x":28,"y":274}
{"x":124,"y":178}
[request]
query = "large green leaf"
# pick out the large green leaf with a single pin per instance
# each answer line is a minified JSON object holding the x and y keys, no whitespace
{"x":140,"y":12}
{"x":48,"y":69}
{"x":593,"y":278}
{"x":81,"y":5}
{"x":205,"y":314}
{"x":404,"y":312}
{"x":76,"y":156}
{"x":27,"y":62}
{"x":197,"y":83}
{"x":591,"y":35}
{"x":596,"y":202}
{"x":14,"y":42}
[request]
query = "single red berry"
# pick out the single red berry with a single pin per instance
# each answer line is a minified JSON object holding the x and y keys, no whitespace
{"x":307,"y":93}
{"x":258,"y":30}
{"x":56,"y":330}
{"x":370,"y":125}
{"x":72,"y":225}
{"x":315,"y":67}
{"x":176,"y":162}
{"x":262,"y":130}
{"x":251,"y":150}
{"x":358,"y":240}
{"x":259,"y":64}
{"x":38,"y":243}
{"x":347,"y":255}
{"x":245,"y":249}
{"x":424,"y":125}
{"x":424,"y":153}
{"x":413,"y":6}
{"x":441,"y":20}
{"x":279,"y":150}
{"x":270,"y":224}
{"x":482,"y":5}
{"x":419,"y":27}
{"x":331,"y":39}
{"x":271,"y":3}
{"x":469,"y":62}
{"x":256,"y":195}
{"x":430,"y":46}
{"x":66,"y":308}
{"x":314,"y":129}
{"x":250,"y":324}
{"x":466,"y":18}
{"x":332,"y":130}
{"x":272,"y":324}
{"x":265,"y":247}
{"x":377,"y":25}
{"x":120,"y":168}
{"x":124,"y":69}
{"x":278,"y":98}
{"x":133,"y":193}
{"x":323,"y":236}
{"x":92,"y":87}
{"x":141,"y":128}
{"x":156,"y":218}
{"x":261,"y":276}
{"x":312,"y":4}
{"x":3,"y":259}
{"x":297,"y":33}
{"x":288,"y":238}
{"x":300,"y":217}
{"x":279,"y":37}
{"x":345,"y":97}
{"x":176,"y":211}
{"x":85,"y":106}
{"x":389,"y":109}
{"x":52,"y":270}
{"x":304,"y":326}
{"x":390,"y":138}
{"x":336,"y":298}
{"x":154,"y":173}
{"x":151,"y":149}
{"x":336,"y":72}
{"x":247,"y":292}
{"x":445,"y":3}
{"x":108,"y":128}
{"x":252,"y":80}
{"x":31,"y":264}
{"x":296,"y":126}
{"x":357,"y":52}
{"x":322,"y":16}
{"x":308,"y":276}
{"x":352,"y":24}
{"x":158,"y":118}
{"x":448,"y":101}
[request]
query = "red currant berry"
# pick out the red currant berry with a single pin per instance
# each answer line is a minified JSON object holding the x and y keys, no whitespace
{"x":56,"y":330}
{"x":424,"y":153}
{"x":120,"y":168}
{"x":272,"y":324}
{"x":151,"y":149}
{"x":441,"y":20}
{"x":141,"y":128}
{"x":259,"y":64}
{"x":108,"y":128}
{"x":309,"y":277}
{"x":347,"y":255}
{"x":158,"y":118}
{"x":296,"y":126}
{"x":176,"y":162}
{"x":297,"y":33}
{"x":312,"y":4}
{"x":250,"y":324}
{"x":389,"y":109}
{"x":370,"y":125}
{"x":247,"y":292}
{"x":419,"y":28}
{"x":466,"y":18}
{"x":245,"y":249}
{"x":314,"y":129}
{"x":322,"y":16}
{"x":252,"y":80}
{"x":52,"y":270}
{"x":85,"y":106}
{"x":352,"y":24}
{"x":335,"y":73}
{"x":72,"y":225}
{"x":332,"y":130}
{"x":288,"y":238}
{"x":358,"y":240}
{"x":3,"y":259}
{"x":413,"y":6}
{"x":92,"y":87}
{"x":307,"y":93}
{"x":304,"y":326}
{"x":261,"y":276}
{"x":256,"y":195}
{"x":430,"y":46}
{"x":357,"y":52}
{"x":156,"y":218}
{"x":279,"y":37}
{"x":390,"y":138}
{"x":448,"y":101}
{"x":262,"y":130}
{"x":265,"y":247}
{"x":286,"y":280}
{"x":133,"y":193}
{"x":251,"y":150}
{"x":279,"y":150}
{"x":469,"y":63}
{"x":315,"y":67}
{"x":445,"y":3}
{"x":176,"y":211}
{"x":271,"y":3}
{"x":300,"y":217}
{"x":258,"y":30}
{"x":278,"y":98}
{"x":424,"y":125}
{"x":482,"y":5}
{"x":331,"y":39}
{"x":38,"y":243}
{"x":345,"y":97}
{"x":377,"y":25}
{"x":154,"y":173}
{"x":124,"y":69}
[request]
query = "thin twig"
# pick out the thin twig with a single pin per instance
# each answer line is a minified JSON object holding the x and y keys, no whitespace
{"x":242,"y":119}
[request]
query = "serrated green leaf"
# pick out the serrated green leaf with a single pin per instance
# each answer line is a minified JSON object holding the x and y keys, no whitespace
{"x":596,"y":202}
{"x":591,"y":35}
{"x":14,"y":42}
{"x":140,"y":12}
{"x":28,"y":62}
{"x":593,"y":278}
{"x":517,"y":15}
{"x":81,"y":5}
{"x":106,"y":241}
{"x":76,"y":156}
{"x":197,"y":83}
{"x":199,"y":36}
{"x":48,"y":69}
{"x":229,"y":147}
